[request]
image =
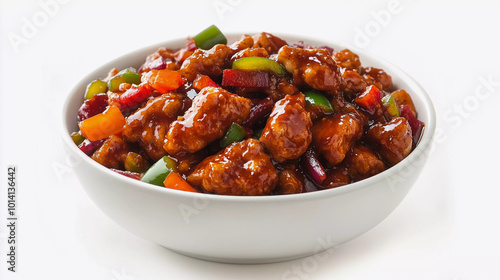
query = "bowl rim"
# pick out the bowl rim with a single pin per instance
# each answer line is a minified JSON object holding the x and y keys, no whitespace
{"x":423,"y":146}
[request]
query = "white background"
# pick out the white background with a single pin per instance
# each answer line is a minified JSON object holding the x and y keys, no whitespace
{"x":447,"y":228}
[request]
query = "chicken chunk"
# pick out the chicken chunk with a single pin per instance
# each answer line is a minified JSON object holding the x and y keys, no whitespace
{"x":313,"y":67}
{"x":207,"y":62}
{"x":336,"y":177}
{"x":393,"y":140}
{"x":353,"y":83}
{"x":347,"y":59}
{"x":149,"y":125}
{"x":335,"y":135}
{"x":279,"y":87}
{"x":378,"y":77}
{"x":287,"y":133}
{"x":241,"y":169}
{"x":112,"y":153}
{"x":403,"y":98}
{"x":362,"y":163}
{"x":289,"y":181}
{"x":160,"y":57}
{"x":271,"y":43}
{"x":259,"y":52}
{"x":245,"y":42}
{"x":210,"y":116}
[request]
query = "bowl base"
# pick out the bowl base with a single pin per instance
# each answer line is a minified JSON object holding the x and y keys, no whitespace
{"x":243,"y":260}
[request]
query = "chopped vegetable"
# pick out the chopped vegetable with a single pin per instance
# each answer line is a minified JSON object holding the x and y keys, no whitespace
{"x":209,"y":37}
{"x":164,"y":80}
{"x":244,"y":78}
{"x":317,"y":99}
{"x":135,"y":95}
{"x":256,"y":63}
{"x":248,"y":132}
{"x":390,"y":106}
{"x":157,"y":64}
{"x":416,"y":125}
{"x":203,"y":81}
{"x":369,"y":99}
{"x":235,"y":133}
{"x":191,"y":44}
{"x":176,"y":182}
{"x":128,"y":76}
{"x":91,"y":107}
{"x":89,"y":147}
{"x":95,"y":87}
{"x":157,"y":173}
{"x":103,"y":125}
{"x":403,"y":98}
{"x":77,"y":138}
{"x":182,"y":54}
{"x":264,"y":107}
{"x":313,"y":167}
{"x":135,"y":163}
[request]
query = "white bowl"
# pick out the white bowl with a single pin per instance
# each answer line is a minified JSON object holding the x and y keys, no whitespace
{"x":248,"y":229}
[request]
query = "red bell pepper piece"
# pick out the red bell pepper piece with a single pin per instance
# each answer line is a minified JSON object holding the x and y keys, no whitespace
{"x":244,"y":78}
{"x":313,"y":167}
{"x":203,"y":81}
{"x":93,"y":106}
{"x":264,"y":107}
{"x":135,"y":95}
{"x":369,"y":99}
{"x":415,"y":124}
{"x":89,"y":147}
{"x":191,"y":45}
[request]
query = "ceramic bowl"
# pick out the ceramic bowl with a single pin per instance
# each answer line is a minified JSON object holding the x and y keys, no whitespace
{"x":248,"y":229}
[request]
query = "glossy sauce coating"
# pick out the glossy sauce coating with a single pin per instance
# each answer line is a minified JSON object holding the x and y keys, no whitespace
{"x":333,"y":136}
{"x":211,"y":114}
{"x":149,"y":125}
{"x":282,"y":135}
{"x":251,"y":171}
{"x":112,"y":153}
{"x":393,"y":140}
{"x":287,"y":133}
{"x":314,"y":67}
{"x":362,"y":162}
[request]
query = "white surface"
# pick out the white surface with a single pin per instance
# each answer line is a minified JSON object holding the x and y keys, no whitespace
{"x":446,"y":228}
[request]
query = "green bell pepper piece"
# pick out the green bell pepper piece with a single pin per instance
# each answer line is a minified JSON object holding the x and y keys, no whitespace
{"x":256,"y":63}
{"x":128,"y":75}
{"x":209,"y":37}
{"x":95,"y":87}
{"x":157,"y":173}
{"x":77,"y":138}
{"x":235,"y":133}
{"x":390,"y":105}
{"x":314,"y":98}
